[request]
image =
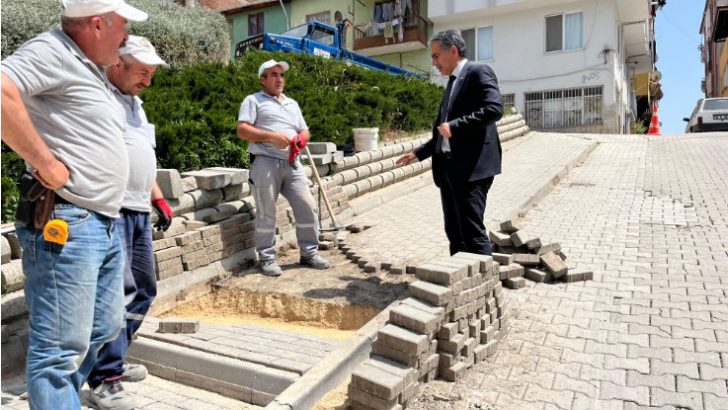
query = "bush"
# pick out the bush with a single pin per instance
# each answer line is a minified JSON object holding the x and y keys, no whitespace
{"x":13,"y":167}
{"x":181,"y":35}
{"x":195,"y":108}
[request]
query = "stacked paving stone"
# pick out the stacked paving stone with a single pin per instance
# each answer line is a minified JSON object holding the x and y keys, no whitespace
{"x":453,"y":319}
{"x":522,"y":255}
{"x":12,"y":267}
{"x":215,"y":219}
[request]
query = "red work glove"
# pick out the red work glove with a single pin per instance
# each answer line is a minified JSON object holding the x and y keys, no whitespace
{"x":297,"y":143}
{"x":164,"y":214}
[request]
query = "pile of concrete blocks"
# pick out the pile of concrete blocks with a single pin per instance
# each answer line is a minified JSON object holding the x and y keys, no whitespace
{"x":522,"y":255}
{"x":454,"y":317}
{"x":324,"y":155}
{"x":214,"y":219}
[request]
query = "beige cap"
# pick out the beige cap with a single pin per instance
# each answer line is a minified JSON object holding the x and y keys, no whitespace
{"x":270,"y":64}
{"x":140,"y":49}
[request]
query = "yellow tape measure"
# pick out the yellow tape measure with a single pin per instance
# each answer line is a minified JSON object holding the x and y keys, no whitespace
{"x":56,"y":231}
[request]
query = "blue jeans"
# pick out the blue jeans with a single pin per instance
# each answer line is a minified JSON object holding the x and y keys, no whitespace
{"x":75,"y":303}
{"x":140,"y":288}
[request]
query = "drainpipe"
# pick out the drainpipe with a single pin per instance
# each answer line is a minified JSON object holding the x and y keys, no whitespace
{"x":288,"y":20}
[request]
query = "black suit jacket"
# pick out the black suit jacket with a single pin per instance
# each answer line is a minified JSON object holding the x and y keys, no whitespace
{"x":474,"y":109}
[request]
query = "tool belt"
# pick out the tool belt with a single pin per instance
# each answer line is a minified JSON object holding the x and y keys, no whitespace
{"x":35,"y":205}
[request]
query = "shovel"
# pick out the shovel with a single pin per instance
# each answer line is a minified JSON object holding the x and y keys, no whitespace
{"x":334,"y":225}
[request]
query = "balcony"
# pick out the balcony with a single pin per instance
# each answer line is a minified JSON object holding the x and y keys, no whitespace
{"x":369,"y":39}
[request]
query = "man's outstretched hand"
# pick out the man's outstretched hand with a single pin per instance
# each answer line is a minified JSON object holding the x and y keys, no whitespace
{"x":406,"y":158}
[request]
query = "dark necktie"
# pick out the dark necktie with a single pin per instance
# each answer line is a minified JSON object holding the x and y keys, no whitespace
{"x":443,"y":144}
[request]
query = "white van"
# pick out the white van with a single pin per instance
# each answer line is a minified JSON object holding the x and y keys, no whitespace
{"x":710,"y":114}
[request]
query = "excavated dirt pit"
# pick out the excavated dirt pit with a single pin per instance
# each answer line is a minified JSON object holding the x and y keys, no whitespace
{"x":233,"y":306}
{"x":332,"y":303}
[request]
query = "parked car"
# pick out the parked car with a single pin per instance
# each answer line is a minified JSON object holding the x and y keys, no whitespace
{"x":710,"y":114}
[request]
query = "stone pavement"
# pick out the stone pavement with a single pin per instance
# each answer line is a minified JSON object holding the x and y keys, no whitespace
{"x":649,"y":216}
{"x":410,"y":230}
{"x":277,"y":349}
{"x":151,"y":394}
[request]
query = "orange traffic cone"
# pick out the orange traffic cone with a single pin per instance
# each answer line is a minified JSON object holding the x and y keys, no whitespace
{"x":654,"y":123}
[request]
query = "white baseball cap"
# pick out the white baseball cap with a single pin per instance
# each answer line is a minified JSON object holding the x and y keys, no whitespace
{"x":140,"y":49}
{"x":270,"y":64}
{"x":87,"y":8}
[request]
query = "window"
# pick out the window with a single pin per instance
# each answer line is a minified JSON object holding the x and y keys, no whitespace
{"x":255,"y":24}
{"x":485,"y":43}
{"x":324,"y":16}
{"x":564,"y":108}
{"x":480,"y":47}
{"x":564,"y":32}
{"x":323,"y":35}
{"x":509,"y":100}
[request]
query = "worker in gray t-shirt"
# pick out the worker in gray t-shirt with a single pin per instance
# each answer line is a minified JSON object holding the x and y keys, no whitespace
{"x":60,"y":116}
{"x":271,"y":122}
{"x":129,"y":77}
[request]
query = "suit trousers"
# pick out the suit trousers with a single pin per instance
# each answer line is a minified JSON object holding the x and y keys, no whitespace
{"x":463,"y":205}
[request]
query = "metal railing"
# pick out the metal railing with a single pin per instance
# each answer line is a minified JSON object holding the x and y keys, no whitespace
{"x":564,"y":108}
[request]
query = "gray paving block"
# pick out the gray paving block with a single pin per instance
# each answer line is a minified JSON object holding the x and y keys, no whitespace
{"x":377,"y":382}
{"x":369,"y":401}
{"x":551,"y":247}
{"x":454,"y":373}
{"x":486,"y":261}
{"x":440,"y":274}
{"x":178,"y":325}
{"x":209,"y":180}
{"x":406,"y":358}
{"x":526,"y":259}
{"x":500,"y":238}
{"x":437,"y":311}
{"x":513,"y":270}
{"x":13,"y":277}
{"x":321,"y":147}
{"x":5,"y":248}
{"x":533,"y":243}
{"x":170,"y":183}
{"x":554,"y":264}
{"x":430,"y":293}
{"x":453,"y":345}
{"x":237,"y":175}
{"x":512,"y":225}
{"x":164,"y":243}
{"x":16,"y":250}
{"x":537,"y":275}
{"x":502,"y":258}
{"x":519,"y":238}
{"x":414,"y":319}
{"x":514,"y":283}
{"x":189,"y":184}
{"x":167,"y":254}
{"x":402,"y":339}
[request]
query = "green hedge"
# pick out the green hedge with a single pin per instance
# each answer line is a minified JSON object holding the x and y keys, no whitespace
{"x":195,"y":108}
{"x":181,"y":35}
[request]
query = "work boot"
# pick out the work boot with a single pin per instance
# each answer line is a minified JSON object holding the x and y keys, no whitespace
{"x":134,"y":372}
{"x":270,"y":268}
{"x":111,"y":396}
{"x":315,"y":262}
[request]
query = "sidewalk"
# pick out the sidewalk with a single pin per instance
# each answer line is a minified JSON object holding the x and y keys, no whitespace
{"x":409,"y":230}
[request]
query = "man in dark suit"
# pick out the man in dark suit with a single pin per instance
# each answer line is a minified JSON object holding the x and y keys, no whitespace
{"x":465,"y":149}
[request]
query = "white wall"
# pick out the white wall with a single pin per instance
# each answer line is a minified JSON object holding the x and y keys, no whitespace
{"x":522,"y":64}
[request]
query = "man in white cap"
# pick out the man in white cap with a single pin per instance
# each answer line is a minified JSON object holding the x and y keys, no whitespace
{"x":129,"y":77}
{"x":273,"y":124}
{"x":60,"y":116}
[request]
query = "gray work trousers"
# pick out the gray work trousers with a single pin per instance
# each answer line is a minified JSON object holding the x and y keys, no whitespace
{"x":270,"y":176}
